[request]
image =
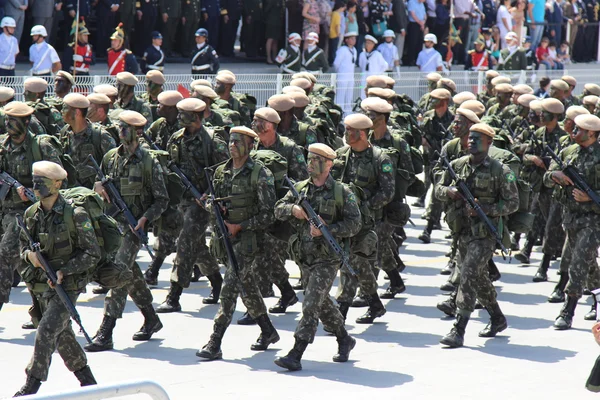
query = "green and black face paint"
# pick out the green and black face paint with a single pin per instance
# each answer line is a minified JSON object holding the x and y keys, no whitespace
{"x":43,"y":187}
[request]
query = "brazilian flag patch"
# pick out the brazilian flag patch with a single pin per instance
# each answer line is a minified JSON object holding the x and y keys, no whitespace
{"x":87,"y":226}
{"x":386,"y":167}
{"x":300,"y":158}
{"x":270,"y":180}
{"x":511,"y":177}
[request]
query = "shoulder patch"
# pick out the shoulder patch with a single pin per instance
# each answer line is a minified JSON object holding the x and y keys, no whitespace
{"x":351,"y":198}
{"x":300,"y":158}
{"x":87,"y":226}
{"x":511,"y":177}
{"x":220,"y":146}
{"x":386,"y":167}
{"x":270,"y":180}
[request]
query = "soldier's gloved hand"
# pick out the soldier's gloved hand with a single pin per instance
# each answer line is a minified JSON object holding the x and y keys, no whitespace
{"x":298,"y":212}
{"x":59,"y":279}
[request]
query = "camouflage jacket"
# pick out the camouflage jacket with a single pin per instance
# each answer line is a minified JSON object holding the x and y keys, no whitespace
{"x":111,"y":128}
{"x":136,"y":104}
{"x":35,"y":126}
{"x":531,"y":173}
{"x":161,"y":131}
{"x":392,"y":140}
{"x":432,"y":127}
{"x":48,"y":116}
{"x":302,"y":134}
{"x":56,"y":102}
{"x":153,"y":104}
{"x":293,"y":154}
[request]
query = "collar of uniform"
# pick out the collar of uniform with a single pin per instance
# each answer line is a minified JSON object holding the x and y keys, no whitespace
{"x":249,"y":164}
{"x":200,"y":46}
{"x":58,"y":207}
{"x":328,"y":185}
{"x":485,"y":163}
{"x":136,"y":154}
{"x":131,"y":103}
{"x":592,"y":148}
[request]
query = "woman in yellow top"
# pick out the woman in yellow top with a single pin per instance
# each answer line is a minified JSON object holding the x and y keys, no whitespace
{"x":336,"y":28}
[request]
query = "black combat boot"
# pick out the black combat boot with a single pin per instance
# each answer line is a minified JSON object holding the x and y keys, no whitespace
{"x":151,"y":325}
{"x":448,"y":287}
{"x":420,"y":202}
{"x":558,"y":295}
{"x":196,"y":274}
{"x":359,"y":300}
{"x":100,"y":290}
{"x":376,"y":310}
{"x":268,"y":334}
{"x":288,"y":298}
{"x":246,"y":319}
{"x":32,"y":385}
{"x":449,"y":268}
{"x":171,"y":303}
{"x":344,"y":307}
{"x":542,"y":273}
{"x":497,"y":321}
{"x":456,"y":337}
{"x":151,"y":274}
{"x":28,"y":325}
{"x":85,"y":376}
{"x":448,"y":306}
{"x":591,"y":315}
{"x":514,"y":241}
{"x":525,"y":252}
{"x":565,"y":318}
{"x":212,"y":350}
{"x":493,"y":270}
{"x":396,"y":285}
{"x":103,"y":339}
{"x":216,"y":282}
{"x":292,"y":360}
{"x":345,"y":344}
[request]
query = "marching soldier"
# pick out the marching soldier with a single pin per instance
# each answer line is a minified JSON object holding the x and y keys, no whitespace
{"x":154,"y":57}
{"x":42,"y":56}
{"x":50,"y":117}
{"x":204,"y":59}
{"x":224,"y":88}
{"x":63,"y":83}
{"x":302,"y":134}
{"x":154,"y":86}
{"x":98,"y":113}
{"x":314,"y":59}
{"x":570,"y":99}
{"x":289,"y":58}
{"x":119,"y":58}
{"x":484,"y":96}
{"x":127,"y":100}
{"x":108,"y":90}
{"x":212,"y":116}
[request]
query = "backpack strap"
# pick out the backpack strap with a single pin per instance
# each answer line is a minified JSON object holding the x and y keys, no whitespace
{"x":255,"y":173}
{"x":338,"y":195}
{"x":35,"y":149}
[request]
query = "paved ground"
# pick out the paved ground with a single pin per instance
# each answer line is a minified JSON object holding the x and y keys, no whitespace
{"x":397,"y":357}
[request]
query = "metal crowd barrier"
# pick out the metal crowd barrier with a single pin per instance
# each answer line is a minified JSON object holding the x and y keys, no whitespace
{"x":262,"y":86}
{"x":96,"y":392}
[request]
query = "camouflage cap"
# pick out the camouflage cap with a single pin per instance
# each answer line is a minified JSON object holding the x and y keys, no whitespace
{"x":301,"y":83}
{"x":590,"y":100}
{"x":484,"y":129}
{"x":18,"y":109}
{"x":474,"y":105}
{"x":592,"y":88}
{"x":127,"y":78}
{"x":292,"y":89}
{"x":301,"y":99}
{"x":526,"y":99}
{"x":98,"y":98}
{"x":441,"y":94}
{"x":570,"y":80}
{"x":461,"y":97}
{"x":500,"y":79}
{"x":191,"y":105}
{"x":155,"y":76}
{"x":559,"y":84}
{"x":244,"y":131}
{"x":67,"y":76}
{"x":50,"y":170}
{"x":376,"y":81}
{"x":358,"y":121}
{"x":470,"y":115}
{"x":522,"y":89}
{"x":6,"y":93}
{"x":383,"y":93}
{"x":268,"y":114}
{"x":106,"y":89}
{"x":206,"y":91}
{"x":133,"y":118}
{"x":588,"y":122}
{"x":76,"y":100}
{"x":433,"y":77}
{"x":376,"y":104}
{"x":170,"y":98}
{"x":281,"y":102}
{"x":321,"y":149}
{"x":575,"y":111}
{"x":553,"y":106}
{"x":36,"y":85}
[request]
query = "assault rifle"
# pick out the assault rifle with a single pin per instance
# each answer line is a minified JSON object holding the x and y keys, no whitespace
{"x":116,"y":198}
{"x":51,"y":274}
{"x":573,"y":173}
{"x":468,"y":196}
{"x":315,"y":221}
{"x":7,"y":182}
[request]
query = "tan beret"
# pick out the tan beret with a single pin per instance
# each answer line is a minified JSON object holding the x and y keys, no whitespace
{"x":6,"y":93}
{"x":301,"y":83}
{"x":474,"y":105}
{"x":389,"y":81}
{"x":447,"y":84}
{"x":526,"y":99}
{"x":590,"y":100}
{"x":98,"y":98}
{"x":202,"y":82}
{"x":491,"y":74}
{"x":536,"y":105}
{"x":433,"y":77}
{"x":376,"y":104}
{"x":133,"y":118}
{"x":321,"y":149}
{"x":192,"y":105}
{"x":281,"y":102}
{"x":292,"y":89}
{"x":358,"y":121}
{"x":588,"y":122}
{"x":18,"y":109}
{"x":500,"y":79}
{"x":376,"y":81}
{"x":268,"y":114}
{"x":36,"y":85}
{"x":228,"y":79}
{"x":206,"y":91}
{"x":522,"y":89}
{"x":244,"y":131}
{"x":570,"y":80}
{"x":170,"y":98}
{"x":67,"y":76}
{"x":461,"y":97}
{"x":106,"y":89}
{"x":470,"y":115}
{"x":305,"y":75}
{"x":559,"y":84}
{"x":301,"y":99}
{"x":127,"y":78}
{"x":574,"y":111}
{"x":553,"y":106}
{"x":50,"y":170}
{"x":483,"y":128}
{"x":504,"y":88}
{"x":442,"y":94}
{"x":155,"y":76}
{"x":592,"y":88}
{"x":383,"y":93}
{"x":76,"y":100}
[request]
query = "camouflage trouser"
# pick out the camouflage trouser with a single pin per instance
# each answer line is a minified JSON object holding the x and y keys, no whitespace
{"x":191,"y":246}
{"x":317,"y":279}
{"x":386,"y":247}
{"x":434,"y":209}
{"x":9,"y":254}
{"x":54,"y":333}
{"x":363,"y":255}
{"x":540,"y":207}
{"x":579,"y":256}
{"x":169,"y":230}
{"x":554,"y":234}
{"x":136,"y":288}
{"x":428,"y":182}
{"x":232,"y":287}
{"x":475,"y":282}
{"x":269,"y":263}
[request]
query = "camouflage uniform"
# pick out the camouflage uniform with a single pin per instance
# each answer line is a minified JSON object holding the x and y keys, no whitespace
{"x":318,"y":264}
{"x":153,"y":104}
{"x":230,"y":116}
{"x":56,"y":102}
{"x":136,"y":104}
{"x":93,"y":140}
{"x":17,"y":161}
{"x":243,"y":111}
{"x":302,"y":134}
{"x":145,"y":193}
{"x":215,"y":119}
{"x":76,"y":254}
{"x":48,"y":116}
{"x":161,"y":131}
{"x":111,"y":128}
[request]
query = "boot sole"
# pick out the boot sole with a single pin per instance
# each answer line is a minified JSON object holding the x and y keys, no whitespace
{"x":351,"y":348}
{"x":555,"y":300}
{"x":160,"y":310}
{"x":282,"y":309}
{"x":489,"y":335}
{"x":452,"y":345}
{"x":450,"y":312}
{"x":272,"y":340}
{"x":540,"y":279}
{"x":140,"y":338}
{"x":371,"y":320}
{"x":207,"y":357}
{"x":280,"y":363}
{"x":93,"y":348}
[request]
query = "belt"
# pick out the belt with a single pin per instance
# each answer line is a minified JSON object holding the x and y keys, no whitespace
{"x":41,"y":72}
{"x":81,"y":69}
{"x":10,"y":67}
{"x":156,"y":67}
{"x":201,"y":67}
